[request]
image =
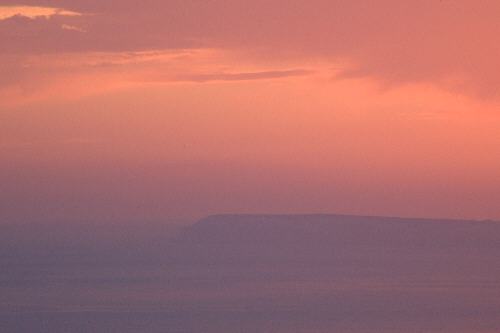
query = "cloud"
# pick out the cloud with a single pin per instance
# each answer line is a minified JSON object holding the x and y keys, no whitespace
{"x":34,"y":12}
{"x":244,"y":76}
{"x":72,"y":28}
{"x":29,"y":78}
{"x":451,"y":43}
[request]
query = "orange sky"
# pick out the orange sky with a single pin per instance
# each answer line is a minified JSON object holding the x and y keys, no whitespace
{"x":167,"y":110}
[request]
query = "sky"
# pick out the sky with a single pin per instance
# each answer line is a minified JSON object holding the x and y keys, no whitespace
{"x":167,"y":111}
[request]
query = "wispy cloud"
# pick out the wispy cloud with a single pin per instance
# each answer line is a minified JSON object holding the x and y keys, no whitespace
{"x":31,"y":78}
{"x":72,"y":28}
{"x":243,"y":76}
{"x":34,"y":12}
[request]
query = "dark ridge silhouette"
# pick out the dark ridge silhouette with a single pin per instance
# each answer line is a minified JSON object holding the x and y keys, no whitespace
{"x":255,"y":273}
{"x":355,"y":244}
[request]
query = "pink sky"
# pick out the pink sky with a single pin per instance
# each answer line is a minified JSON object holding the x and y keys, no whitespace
{"x":166,"y":110}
